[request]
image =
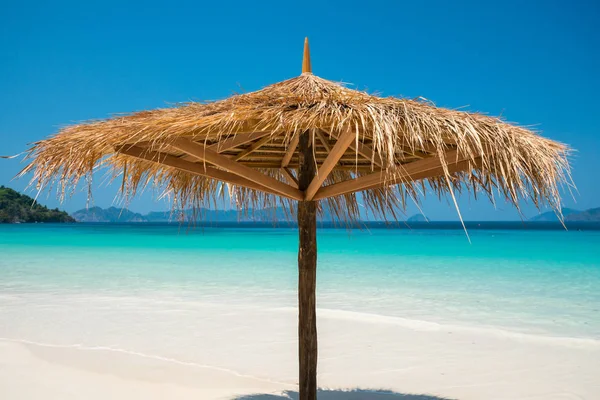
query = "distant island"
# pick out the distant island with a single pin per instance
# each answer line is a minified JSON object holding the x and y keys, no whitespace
{"x":593,"y":214}
{"x":19,"y":208}
{"x":123,"y":215}
{"x":550,"y":216}
{"x":418,"y":218}
{"x":570,"y":215}
{"x":111,"y":214}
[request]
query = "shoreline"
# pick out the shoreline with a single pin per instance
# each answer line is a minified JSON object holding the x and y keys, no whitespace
{"x":363,"y":354}
{"x":424,"y":324}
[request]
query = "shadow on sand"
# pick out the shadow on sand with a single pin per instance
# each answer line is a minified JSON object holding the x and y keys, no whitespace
{"x":356,"y":394}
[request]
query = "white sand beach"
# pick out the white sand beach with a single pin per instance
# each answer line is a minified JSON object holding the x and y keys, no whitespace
{"x":199,"y":321}
{"x":254,"y":352}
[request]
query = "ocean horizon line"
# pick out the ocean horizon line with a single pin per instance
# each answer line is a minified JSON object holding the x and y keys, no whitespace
{"x":361,"y":224}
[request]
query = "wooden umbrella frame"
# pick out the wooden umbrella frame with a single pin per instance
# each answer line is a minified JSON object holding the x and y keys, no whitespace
{"x":307,"y":188}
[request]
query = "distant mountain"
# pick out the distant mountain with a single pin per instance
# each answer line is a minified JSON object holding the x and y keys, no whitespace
{"x":114,"y":214}
{"x":418,"y":218}
{"x":111,"y":214}
{"x":550,"y":216}
{"x":268,"y":215}
{"x":591,"y":215}
{"x":16,"y":208}
{"x":570,"y":215}
{"x":205,"y":214}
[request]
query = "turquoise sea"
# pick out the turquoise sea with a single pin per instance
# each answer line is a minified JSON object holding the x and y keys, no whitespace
{"x":518,"y":281}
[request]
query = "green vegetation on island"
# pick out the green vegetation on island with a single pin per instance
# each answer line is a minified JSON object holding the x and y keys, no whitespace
{"x":17,"y":208}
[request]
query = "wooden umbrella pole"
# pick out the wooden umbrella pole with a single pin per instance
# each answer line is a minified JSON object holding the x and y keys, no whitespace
{"x":307,"y":272}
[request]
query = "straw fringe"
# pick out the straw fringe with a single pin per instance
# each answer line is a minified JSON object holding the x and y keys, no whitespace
{"x":515,"y":161}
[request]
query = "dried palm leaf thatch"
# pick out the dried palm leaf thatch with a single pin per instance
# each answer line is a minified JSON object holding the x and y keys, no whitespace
{"x":391,"y":138}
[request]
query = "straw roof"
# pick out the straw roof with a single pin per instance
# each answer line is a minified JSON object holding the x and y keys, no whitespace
{"x":246,"y":145}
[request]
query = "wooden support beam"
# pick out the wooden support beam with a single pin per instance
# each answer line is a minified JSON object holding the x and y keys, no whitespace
{"x":323,"y":140}
{"x":344,"y":140}
{"x":274,"y":159}
{"x":275,"y":165}
{"x":410,"y":154}
{"x":423,"y":168}
{"x":253,"y":147}
{"x":289,"y":177}
{"x":346,"y":158}
{"x":307,"y":273}
{"x":204,"y":154}
{"x":268,"y":150}
{"x":424,"y":148}
{"x":439,"y":171}
{"x":290,"y":151}
{"x":366,"y":152}
{"x":237,"y":140}
{"x":192,"y":168}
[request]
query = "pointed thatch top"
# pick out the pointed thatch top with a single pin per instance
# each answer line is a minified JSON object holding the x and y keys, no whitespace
{"x":382,"y":147}
{"x":306,"y":67}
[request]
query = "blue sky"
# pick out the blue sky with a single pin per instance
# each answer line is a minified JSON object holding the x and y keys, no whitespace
{"x":535,"y":63}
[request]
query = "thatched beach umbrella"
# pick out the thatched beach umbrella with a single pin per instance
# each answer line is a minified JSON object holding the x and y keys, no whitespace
{"x":304,"y":144}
